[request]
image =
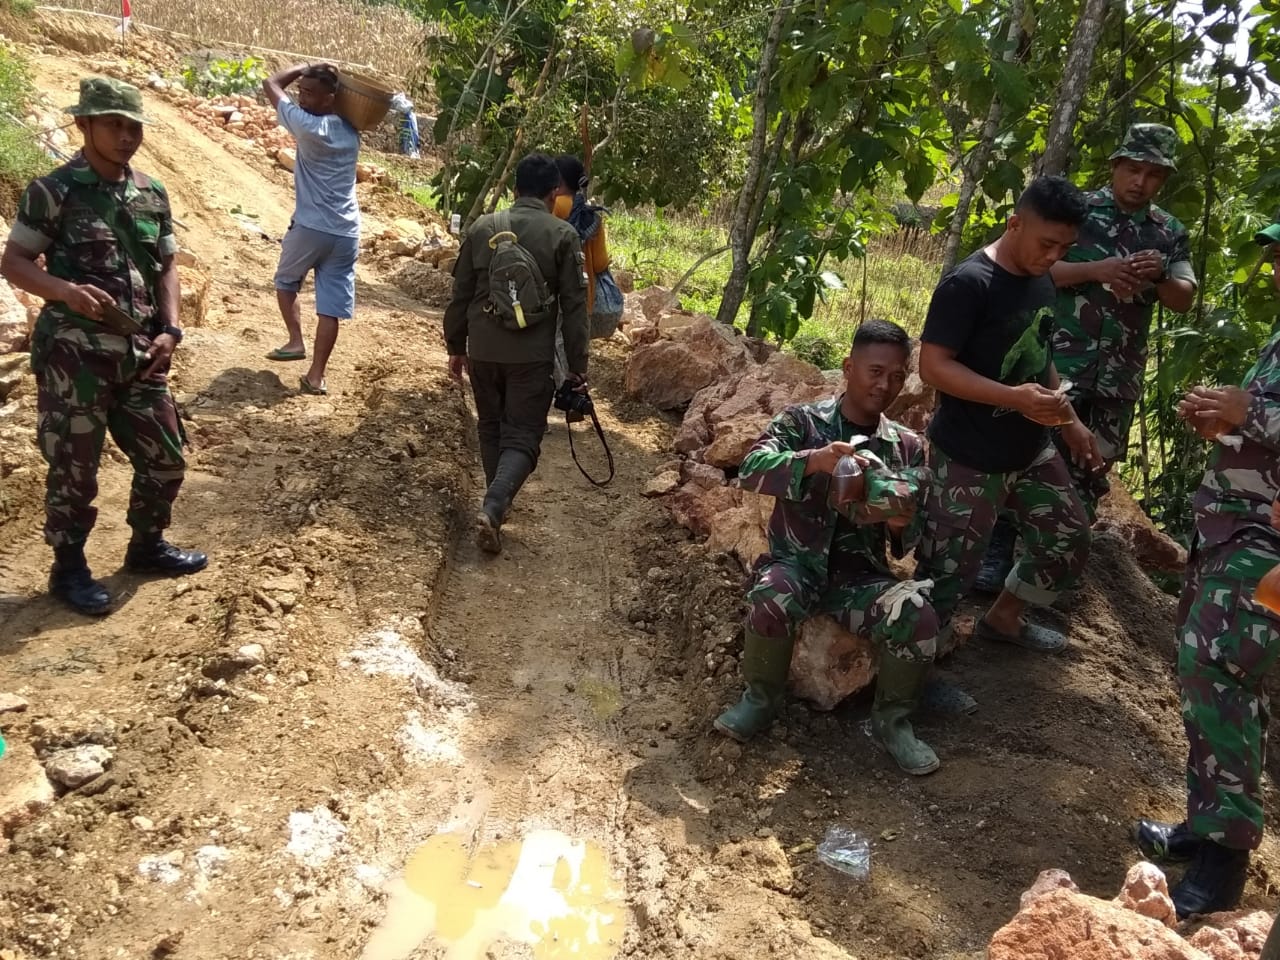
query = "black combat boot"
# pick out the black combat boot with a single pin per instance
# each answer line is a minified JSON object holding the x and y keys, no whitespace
{"x":998,"y":562}
{"x":1165,"y":842}
{"x":1214,"y":881}
{"x":514,"y":467}
{"x":72,"y":583}
{"x":151,"y":553}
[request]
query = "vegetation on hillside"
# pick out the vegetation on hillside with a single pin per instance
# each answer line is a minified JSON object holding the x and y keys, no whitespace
{"x":21,"y":158}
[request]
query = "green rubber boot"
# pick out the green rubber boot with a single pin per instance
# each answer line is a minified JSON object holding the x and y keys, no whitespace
{"x":898,"y":690}
{"x":766,"y":662}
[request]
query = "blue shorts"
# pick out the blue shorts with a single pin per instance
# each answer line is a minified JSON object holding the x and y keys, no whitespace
{"x":334,"y":260}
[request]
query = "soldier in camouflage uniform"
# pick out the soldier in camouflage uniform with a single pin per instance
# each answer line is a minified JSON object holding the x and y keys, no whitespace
{"x":985,"y":349}
{"x":106,"y":234}
{"x":827,"y":554}
{"x":1129,"y":255}
{"x":1228,"y":641}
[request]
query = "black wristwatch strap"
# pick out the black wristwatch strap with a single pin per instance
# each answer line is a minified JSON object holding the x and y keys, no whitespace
{"x":174,"y":332}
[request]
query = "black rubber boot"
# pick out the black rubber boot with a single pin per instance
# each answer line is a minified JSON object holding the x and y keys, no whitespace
{"x":489,"y":453}
{"x":151,"y":553}
{"x":72,"y":583}
{"x":514,"y":467}
{"x":1214,"y":881}
{"x":1165,"y":842}
{"x":998,"y":562}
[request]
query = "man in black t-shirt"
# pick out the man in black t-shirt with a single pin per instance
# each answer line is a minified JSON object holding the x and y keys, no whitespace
{"x":985,"y":348}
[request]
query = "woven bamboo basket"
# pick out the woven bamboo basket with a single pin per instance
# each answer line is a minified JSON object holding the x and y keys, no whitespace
{"x":361,"y":102}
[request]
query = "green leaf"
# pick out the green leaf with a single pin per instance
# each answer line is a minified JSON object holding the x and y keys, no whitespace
{"x":1012,"y":85}
{"x":879,"y":21}
{"x":792,"y":198}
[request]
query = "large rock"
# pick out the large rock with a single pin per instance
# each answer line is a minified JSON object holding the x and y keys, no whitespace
{"x":1065,"y":924}
{"x":669,"y":371}
{"x":829,"y":663}
{"x":1120,"y":515}
{"x":654,"y":301}
{"x":1239,"y":935}
{"x":1146,"y":892}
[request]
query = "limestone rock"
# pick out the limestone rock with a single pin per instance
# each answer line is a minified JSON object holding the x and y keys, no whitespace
{"x":654,"y":301}
{"x":1237,"y":934}
{"x":1146,"y":892}
{"x":914,"y":405}
{"x":1063,"y":923}
{"x":12,"y":703}
{"x":662,"y":484}
{"x":25,"y":791}
{"x":669,"y":371}
{"x":829,"y":663}
{"x":15,"y":329}
{"x":1047,"y":882}
{"x":77,"y":766}
{"x":287,"y":157}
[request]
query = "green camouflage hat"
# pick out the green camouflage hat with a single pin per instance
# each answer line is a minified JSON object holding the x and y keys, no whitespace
{"x":1268,"y":236}
{"x":1150,"y":142}
{"x":100,"y":96}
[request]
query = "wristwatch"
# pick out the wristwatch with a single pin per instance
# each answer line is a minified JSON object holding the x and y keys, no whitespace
{"x":175,"y":332}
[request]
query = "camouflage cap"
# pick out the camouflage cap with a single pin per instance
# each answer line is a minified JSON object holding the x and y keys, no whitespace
{"x":100,"y":96}
{"x":1150,"y":142}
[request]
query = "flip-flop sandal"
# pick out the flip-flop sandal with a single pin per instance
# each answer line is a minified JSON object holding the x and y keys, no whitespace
{"x":947,"y":699}
{"x":281,"y":354}
{"x":308,"y":387}
{"x":1029,"y":636}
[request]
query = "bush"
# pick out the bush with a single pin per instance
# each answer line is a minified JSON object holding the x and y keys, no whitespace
{"x":823,"y":352}
{"x":220,"y":78}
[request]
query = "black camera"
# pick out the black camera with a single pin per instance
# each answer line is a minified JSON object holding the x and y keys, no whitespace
{"x":571,"y":401}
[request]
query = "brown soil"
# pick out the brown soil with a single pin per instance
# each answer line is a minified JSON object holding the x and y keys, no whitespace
{"x":567,"y":684}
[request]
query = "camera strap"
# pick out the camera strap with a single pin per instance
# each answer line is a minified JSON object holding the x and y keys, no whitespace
{"x":595,"y":421}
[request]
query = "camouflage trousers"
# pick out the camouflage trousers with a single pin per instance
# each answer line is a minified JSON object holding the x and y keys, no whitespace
{"x":961,"y":511}
{"x":83,"y":394}
{"x":1226,"y":645}
{"x":784,"y":595}
{"x":1110,"y":421}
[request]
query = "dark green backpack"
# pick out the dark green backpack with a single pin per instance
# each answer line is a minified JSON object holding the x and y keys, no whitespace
{"x":518,"y":293}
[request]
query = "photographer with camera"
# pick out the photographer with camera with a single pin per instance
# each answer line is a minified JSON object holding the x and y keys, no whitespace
{"x":517,"y":271}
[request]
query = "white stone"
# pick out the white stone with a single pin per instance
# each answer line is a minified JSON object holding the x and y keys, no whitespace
{"x":77,"y":766}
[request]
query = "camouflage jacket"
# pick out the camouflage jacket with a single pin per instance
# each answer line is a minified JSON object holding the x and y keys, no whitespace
{"x":1239,"y":486}
{"x":1100,"y":343}
{"x":56,"y":218}
{"x":804,"y":529}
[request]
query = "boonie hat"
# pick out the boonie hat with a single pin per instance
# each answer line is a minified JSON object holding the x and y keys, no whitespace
{"x":1151,"y":143}
{"x":103,"y":96}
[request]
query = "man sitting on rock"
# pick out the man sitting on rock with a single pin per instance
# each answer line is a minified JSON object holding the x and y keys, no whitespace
{"x":1228,"y":640}
{"x":985,"y":349}
{"x":827,"y":541}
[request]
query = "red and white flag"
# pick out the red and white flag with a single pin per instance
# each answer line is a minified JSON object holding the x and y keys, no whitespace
{"x":126,"y":13}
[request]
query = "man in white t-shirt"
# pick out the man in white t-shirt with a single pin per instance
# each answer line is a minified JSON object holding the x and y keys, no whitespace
{"x":324,"y":234}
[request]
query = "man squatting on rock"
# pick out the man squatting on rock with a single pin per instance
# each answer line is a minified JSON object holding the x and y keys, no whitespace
{"x":986,"y":350}
{"x":106,"y":234}
{"x":510,"y":361}
{"x":1129,"y":255}
{"x":324,"y":234}
{"x":828,"y":557}
{"x":1228,"y":642}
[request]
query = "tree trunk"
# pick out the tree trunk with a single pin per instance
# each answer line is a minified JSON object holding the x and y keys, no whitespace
{"x":975,"y":166}
{"x":518,"y":139}
{"x":1075,"y":78}
{"x":741,"y":228}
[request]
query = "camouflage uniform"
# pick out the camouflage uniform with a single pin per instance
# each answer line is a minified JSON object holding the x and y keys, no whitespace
{"x":821,"y":560}
{"x":961,"y":512}
{"x":1100,"y":343}
{"x":87,"y":376}
{"x":1227,"y":641}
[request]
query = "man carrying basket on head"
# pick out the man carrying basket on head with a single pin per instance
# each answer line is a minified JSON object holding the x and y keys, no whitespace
{"x":324,"y":234}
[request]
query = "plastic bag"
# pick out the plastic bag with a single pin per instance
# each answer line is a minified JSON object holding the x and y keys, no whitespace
{"x":846,"y":850}
{"x":606,"y":311}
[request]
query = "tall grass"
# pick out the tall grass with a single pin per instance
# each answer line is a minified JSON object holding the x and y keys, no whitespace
{"x":21,"y":159}
{"x":383,"y":36}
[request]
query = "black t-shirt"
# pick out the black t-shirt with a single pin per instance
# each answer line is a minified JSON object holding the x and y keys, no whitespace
{"x":999,"y":324}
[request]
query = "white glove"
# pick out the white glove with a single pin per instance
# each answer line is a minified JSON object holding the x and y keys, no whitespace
{"x":900,"y":594}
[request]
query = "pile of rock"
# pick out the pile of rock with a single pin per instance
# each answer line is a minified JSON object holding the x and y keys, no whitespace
{"x":1057,"y":920}
{"x":426,"y":241}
